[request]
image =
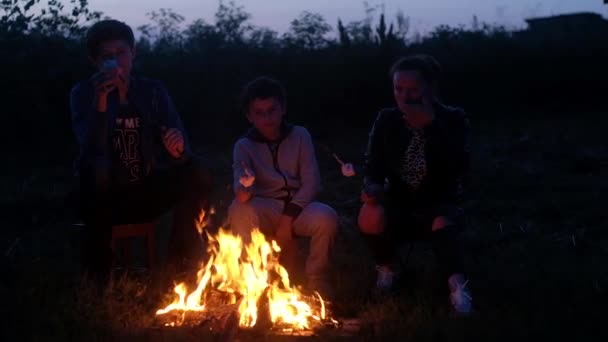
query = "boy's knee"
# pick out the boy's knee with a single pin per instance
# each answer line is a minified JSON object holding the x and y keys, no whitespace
{"x":241,"y":219}
{"x":239,"y":210}
{"x":327,"y":218}
{"x":330,"y":217}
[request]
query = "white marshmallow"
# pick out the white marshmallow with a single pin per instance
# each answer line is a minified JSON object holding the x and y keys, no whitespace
{"x":348,"y":170}
{"x":247,"y":180}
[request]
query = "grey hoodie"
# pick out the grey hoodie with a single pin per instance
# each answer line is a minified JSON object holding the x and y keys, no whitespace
{"x":285,"y":169}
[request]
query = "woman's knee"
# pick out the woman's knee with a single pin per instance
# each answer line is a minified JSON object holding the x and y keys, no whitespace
{"x":440,"y":222}
{"x":372,"y":219}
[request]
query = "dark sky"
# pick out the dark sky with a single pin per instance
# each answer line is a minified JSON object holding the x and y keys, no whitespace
{"x":423,"y":14}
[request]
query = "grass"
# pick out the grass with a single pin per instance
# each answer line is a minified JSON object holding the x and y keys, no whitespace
{"x":537,"y":250}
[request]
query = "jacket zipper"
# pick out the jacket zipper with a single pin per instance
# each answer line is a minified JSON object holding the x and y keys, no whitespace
{"x":275,"y":163}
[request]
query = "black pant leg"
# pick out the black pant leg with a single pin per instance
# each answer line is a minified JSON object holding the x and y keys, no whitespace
{"x":447,"y":242}
{"x":381,"y":246}
{"x":94,"y":207}
{"x":448,"y":250}
{"x":191,"y":192}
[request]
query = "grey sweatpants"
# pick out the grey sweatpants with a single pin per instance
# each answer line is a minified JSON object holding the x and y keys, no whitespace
{"x":317,"y":221}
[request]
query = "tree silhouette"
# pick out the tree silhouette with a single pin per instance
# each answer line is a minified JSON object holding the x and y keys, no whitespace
{"x":343,"y":34}
{"x":231,"y":22}
{"x":308,"y":31}
{"x":165,"y":31}
{"x":53,"y":20}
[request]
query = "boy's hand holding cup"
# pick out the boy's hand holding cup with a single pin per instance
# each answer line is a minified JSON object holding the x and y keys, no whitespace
{"x":106,"y":80}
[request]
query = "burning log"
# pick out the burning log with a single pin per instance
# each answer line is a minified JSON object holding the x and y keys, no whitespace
{"x":204,"y":328}
{"x":217,"y":327}
{"x":221,"y":322}
{"x":218,"y":308}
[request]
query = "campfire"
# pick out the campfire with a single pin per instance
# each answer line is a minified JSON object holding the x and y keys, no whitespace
{"x":247,"y":282}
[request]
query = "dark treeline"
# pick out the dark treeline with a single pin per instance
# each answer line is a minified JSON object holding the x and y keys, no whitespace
{"x":336,"y":75}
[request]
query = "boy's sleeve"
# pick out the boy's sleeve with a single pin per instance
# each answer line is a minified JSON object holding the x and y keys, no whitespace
{"x":310,"y":177}
{"x":375,"y":169}
{"x":240,"y":160}
{"x":172,"y":119}
{"x":90,"y":128}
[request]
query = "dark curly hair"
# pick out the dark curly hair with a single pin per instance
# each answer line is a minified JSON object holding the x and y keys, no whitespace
{"x":106,"y":30}
{"x":262,"y":88}
{"x":426,"y":65}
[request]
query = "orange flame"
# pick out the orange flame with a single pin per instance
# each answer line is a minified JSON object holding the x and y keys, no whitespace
{"x":203,"y":220}
{"x":248,"y":272}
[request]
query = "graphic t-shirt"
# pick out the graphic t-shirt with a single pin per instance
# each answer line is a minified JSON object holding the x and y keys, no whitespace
{"x":126,"y":146}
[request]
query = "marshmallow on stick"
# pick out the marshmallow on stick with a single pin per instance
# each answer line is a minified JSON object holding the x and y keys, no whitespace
{"x":248,"y":178}
{"x":348,"y":170}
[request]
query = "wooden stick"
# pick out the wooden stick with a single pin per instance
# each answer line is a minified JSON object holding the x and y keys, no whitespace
{"x":338,"y":159}
{"x":246,"y":169}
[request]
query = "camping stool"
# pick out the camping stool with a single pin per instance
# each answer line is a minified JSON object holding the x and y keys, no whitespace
{"x":127,"y":231}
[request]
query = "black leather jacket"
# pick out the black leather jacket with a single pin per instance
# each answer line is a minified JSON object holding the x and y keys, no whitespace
{"x":447,"y":155}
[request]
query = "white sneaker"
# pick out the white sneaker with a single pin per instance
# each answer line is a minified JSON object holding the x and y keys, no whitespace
{"x":460,"y":296}
{"x":384,"y":281}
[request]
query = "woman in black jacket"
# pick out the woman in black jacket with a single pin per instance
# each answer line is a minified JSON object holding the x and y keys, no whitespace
{"x":417,"y":157}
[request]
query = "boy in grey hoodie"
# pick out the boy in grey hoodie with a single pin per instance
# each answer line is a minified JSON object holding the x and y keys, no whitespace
{"x":276,"y":179}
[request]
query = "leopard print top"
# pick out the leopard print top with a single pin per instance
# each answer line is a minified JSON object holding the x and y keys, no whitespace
{"x":413,"y":164}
